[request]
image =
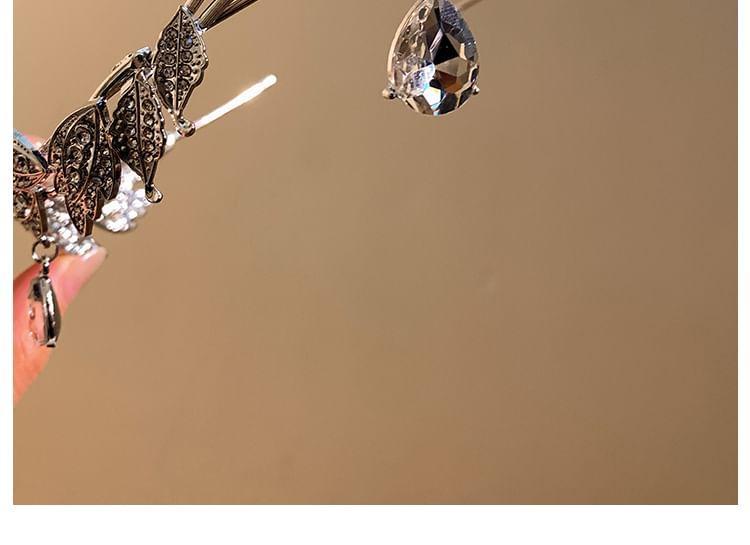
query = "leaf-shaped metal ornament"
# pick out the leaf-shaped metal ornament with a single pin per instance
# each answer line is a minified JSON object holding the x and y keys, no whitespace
{"x":87,"y":170}
{"x":29,"y":173}
{"x":29,"y":166}
{"x":28,"y":208}
{"x":180,"y":62}
{"x":137,"y":133}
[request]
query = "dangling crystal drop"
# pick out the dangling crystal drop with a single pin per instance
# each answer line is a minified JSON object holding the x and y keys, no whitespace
{"x":43,"y":312}
{"x":433,"y":63}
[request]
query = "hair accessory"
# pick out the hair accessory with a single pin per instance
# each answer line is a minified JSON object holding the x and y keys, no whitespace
{"x":86,"y":172}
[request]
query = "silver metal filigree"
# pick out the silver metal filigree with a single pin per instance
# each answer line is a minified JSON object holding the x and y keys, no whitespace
{"x":180,"y":63}
{"x":29,"y":165}
{"x":137,"y":133}
{"x":29,"y":173}
{"x":87,"y":172}
{"x":28,"y":208}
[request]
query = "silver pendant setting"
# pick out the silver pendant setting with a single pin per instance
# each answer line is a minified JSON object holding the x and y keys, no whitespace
{"x":45,"y":320}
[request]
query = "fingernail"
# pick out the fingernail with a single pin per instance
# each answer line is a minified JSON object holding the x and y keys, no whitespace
{"x":70,"y":273}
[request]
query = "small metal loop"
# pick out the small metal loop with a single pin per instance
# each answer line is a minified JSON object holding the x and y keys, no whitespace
{"x":47,"y":242}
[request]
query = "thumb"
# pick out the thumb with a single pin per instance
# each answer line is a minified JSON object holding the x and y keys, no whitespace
{"x":68,"y":274}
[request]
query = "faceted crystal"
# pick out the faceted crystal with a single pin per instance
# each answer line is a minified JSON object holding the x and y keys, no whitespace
{"x":433,"y":63}
{"x":43,"y":312}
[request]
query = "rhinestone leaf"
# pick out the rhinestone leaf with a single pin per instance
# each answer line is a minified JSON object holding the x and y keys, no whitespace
{"x":29,"y":173}
{"x":180,"y":61}
{"x":29,"y":166}
{"x":137,"y":133}
{"x":87,"y":170}
{"x":28,"y":208}
{"x":433,"y":63}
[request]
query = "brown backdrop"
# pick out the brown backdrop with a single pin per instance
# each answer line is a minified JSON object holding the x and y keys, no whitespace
{"x":530,"y":301}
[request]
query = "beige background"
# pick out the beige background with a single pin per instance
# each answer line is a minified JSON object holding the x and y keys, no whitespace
{"x":530,"y":301}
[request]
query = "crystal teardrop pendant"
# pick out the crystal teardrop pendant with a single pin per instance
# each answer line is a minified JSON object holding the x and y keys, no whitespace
{"x":433,"y":63}
{"x":44,"y":312}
